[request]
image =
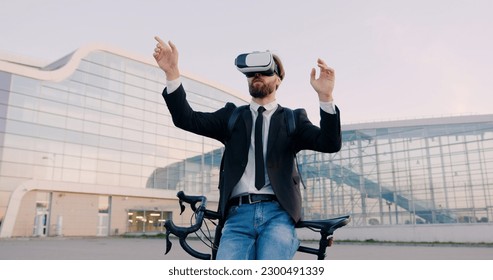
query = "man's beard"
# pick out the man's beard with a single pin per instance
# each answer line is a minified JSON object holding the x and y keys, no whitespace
{"x":260,"y":90}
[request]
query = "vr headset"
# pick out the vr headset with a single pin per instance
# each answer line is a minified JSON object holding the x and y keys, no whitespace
{"x":257,"y":62}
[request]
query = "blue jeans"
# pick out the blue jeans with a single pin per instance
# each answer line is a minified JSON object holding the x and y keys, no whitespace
{"x":260,"y":231}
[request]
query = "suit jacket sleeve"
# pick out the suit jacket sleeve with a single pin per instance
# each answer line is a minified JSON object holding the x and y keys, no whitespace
{"x":326,"y":138}
{"x":209,"y":124}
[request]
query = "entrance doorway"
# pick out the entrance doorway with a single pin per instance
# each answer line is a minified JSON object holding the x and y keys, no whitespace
{"x":40,"y":227}
{"x":103,"y":229}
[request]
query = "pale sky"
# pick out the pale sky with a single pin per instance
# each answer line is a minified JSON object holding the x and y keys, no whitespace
{"x":393,"y":59}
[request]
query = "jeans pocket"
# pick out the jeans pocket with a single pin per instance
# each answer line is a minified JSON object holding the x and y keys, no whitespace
{"x":232,"y":210}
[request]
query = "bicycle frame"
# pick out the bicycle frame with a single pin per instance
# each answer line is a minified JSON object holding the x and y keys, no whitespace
{"x":326,"y":229}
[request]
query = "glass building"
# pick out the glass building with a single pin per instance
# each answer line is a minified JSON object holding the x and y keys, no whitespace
{"x":81,"y":140}
{"x":88,"y":148}
{"x":427,"y":171}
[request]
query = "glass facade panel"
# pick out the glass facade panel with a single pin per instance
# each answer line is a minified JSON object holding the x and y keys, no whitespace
{"x":396,"y":177}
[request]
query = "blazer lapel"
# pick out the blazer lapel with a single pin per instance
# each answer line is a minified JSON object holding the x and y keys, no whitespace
{"x":275,"y":125}
{"x":248,"y":122}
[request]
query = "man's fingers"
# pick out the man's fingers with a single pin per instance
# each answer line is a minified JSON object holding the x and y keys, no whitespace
{"x":323,"y":67}
{"x":322,"y":64}
{"x":172,"y":46}
{"x":161,"y":46}
{"x":159,"y":41}
{"x":330,"y":71}
{"x":312,"y":74}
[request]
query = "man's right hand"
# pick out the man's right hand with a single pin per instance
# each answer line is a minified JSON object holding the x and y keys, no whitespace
{"x":166,"y":56}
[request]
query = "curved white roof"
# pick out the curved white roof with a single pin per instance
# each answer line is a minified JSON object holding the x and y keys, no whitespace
{"x":64,"y":67}
{"x":464,"y":119}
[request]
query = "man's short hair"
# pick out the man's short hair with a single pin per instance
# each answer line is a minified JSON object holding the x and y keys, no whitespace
{"x":277,"y":60}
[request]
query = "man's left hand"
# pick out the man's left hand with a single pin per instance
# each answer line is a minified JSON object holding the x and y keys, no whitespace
{"x":324,"y":84}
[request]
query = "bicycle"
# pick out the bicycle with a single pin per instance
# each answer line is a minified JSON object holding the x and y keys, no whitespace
{"x":325,"y":227}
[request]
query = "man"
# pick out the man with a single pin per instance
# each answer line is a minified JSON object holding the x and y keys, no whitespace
{"x":260,"y":200}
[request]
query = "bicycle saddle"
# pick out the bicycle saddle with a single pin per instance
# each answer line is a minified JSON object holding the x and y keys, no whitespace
{"x":327,"y":224}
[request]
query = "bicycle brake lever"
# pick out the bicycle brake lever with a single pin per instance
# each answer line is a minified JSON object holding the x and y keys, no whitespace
{"x":182,"y":207}
{"x":168,"y":243}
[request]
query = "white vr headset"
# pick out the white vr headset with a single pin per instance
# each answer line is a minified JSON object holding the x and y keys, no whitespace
{"x":257,"y":62}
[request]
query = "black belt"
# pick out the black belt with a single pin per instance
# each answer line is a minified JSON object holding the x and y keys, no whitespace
{"x":251,"y":199}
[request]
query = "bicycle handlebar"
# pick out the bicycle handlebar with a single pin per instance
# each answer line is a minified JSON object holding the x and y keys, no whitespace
{"x":183,"y":232}
{"x":326,"y":227}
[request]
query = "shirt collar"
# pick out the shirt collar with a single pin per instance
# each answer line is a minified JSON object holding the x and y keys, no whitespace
{"x":268,"y":107}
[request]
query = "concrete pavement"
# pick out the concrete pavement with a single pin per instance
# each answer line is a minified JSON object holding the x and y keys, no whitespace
{"x":119,"y":248}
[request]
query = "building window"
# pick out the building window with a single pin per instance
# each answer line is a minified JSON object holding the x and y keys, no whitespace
{"x":147,"y":221}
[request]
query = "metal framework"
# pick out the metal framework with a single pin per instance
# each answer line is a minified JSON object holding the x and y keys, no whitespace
{"x":403,"y":172}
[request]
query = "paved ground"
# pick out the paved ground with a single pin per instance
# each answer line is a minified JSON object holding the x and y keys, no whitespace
{"x":114,"y":248}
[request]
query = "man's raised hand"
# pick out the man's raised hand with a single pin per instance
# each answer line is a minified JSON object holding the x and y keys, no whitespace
{"x":166,"y":56}
{"x":324,"y":84}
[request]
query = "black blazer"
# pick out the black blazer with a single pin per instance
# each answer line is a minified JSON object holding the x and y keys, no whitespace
{"x":281,"y":147}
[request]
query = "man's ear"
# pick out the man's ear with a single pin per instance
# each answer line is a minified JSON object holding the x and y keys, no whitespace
{"x":278,"y":82}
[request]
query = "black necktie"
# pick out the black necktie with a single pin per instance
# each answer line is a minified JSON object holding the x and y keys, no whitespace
{"x":259,"y":151}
